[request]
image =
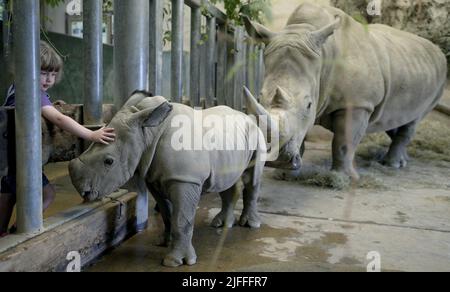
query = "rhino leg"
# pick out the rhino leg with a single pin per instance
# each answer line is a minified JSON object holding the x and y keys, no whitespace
{"x":250,"y":216}
{"x":226,"y":215}
{"x":397,"y":155}
{"x":349,"y":128}
{"x":165,"y":209}
{"x":184,"y":198}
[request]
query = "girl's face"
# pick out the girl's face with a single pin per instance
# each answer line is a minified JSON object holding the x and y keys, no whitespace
{"x":48,"y":79}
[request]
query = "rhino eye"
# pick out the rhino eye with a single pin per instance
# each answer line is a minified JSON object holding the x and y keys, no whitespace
{"x":109,"y":161}
{"x":309,"y":106}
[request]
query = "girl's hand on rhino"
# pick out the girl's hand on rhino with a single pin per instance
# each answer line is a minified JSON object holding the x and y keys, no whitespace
{"x":103,"y":136}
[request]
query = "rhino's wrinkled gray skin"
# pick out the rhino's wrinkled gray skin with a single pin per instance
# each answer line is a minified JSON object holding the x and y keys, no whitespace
{"x":175,"y":178}
{"x":326,"y":68}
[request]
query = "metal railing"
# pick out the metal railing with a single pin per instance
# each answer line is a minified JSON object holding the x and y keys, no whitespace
{"x":232,"y":60}
{"x":219,"y":68}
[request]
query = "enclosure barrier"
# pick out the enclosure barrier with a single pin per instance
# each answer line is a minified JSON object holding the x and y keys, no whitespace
{"x":231,"y":59}
{"x":28,"y":117}
{"x":93,"y":61}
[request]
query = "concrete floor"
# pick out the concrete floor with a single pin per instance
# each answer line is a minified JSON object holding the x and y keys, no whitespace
{"x":310,"y":229}
{"x":404,"y":217}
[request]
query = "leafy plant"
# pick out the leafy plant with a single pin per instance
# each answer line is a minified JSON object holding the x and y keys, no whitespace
{"x":257,"y":10}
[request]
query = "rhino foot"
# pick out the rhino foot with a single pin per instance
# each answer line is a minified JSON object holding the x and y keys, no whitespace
{"x":178,"y":258}
{"x":395,"y":162}
{"x":223,"y":219}
{"x":250,"y":219}
{"x":349,"y":171}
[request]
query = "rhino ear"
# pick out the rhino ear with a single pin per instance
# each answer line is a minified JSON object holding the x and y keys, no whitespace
{"x":258,"y":31}
{"x":319,"y":37}
{"x":152,"y":117}
{"x":136,"y":97}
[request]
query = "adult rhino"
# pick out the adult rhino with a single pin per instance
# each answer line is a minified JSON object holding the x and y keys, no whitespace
{"x":148,"y":135}
{"x":326,"y":68}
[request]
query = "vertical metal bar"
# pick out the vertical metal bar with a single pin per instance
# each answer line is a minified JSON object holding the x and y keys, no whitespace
{"x":141,"y":205}
{"x":177,"y":50}
{"x":262,"y":68}
{"x":255,"y":69}
{"x":28,"y":116}
{"x":4,"y":34}
{"x":156,"y":46}
{"x":231,"y":70}
{"x":93,"y":61}
{"x":195,"y":56}
{"x":256,"y":66}
{"x":238,"y":68}
{"x":131,"y":47}
{"x":6,"y":38}
{"x":242,"y":71}
{"x":259,"y":69}
{"x":210,"y":66}
{"x":131,"y":68}
{"x":4,"y":23}
{"x":250,"y":71}
{"x":222,"y":64}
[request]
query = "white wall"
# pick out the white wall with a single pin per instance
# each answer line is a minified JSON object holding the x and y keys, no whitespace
{"x":55,"y":18}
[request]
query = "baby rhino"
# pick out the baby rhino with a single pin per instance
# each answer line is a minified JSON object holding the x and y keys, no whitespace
{"x":181,"y":153}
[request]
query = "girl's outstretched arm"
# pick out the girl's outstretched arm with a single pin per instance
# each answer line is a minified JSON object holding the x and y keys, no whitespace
{"x":103,"y":135}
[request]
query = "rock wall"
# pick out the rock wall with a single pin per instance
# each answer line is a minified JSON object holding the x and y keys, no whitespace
{"x":427,"y":18}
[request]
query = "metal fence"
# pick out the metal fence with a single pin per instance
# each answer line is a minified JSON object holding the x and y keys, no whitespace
{"x":219,"y":66}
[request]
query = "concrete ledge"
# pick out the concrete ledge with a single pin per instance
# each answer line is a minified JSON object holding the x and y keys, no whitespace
{"x":89,"y":229}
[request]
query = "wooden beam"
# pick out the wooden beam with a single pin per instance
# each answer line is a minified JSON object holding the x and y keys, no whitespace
{"x":100,"y":227}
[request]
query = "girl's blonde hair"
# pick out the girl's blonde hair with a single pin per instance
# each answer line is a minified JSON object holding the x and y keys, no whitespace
{"x":50,"y":60}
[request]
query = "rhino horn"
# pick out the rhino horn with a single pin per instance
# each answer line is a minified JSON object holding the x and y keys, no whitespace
{"x":319,"y":37}
{"x":281,"y":98}
{"x":255,"y":108}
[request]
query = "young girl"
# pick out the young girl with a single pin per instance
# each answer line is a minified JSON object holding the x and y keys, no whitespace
{"x":51,"y":69}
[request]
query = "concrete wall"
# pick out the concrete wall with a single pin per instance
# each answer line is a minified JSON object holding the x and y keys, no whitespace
{"x":70,"y":89}
{"x":54,"y":18}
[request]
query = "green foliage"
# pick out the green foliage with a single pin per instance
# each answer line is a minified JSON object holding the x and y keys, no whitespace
{"x":257,"y":10}
{"x":108,"y":6}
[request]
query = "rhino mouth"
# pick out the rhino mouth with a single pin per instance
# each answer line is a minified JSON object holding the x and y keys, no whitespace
{"x":90,"y":196}
{"x":287,"y":162}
